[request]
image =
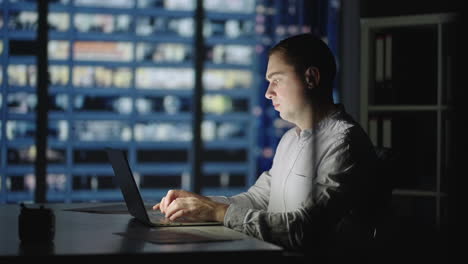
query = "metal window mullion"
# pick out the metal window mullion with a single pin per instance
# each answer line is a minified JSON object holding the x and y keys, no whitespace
{"x":195,"y":182}
{"x":132,"y":148}
{"x":69,"y":112}
{"x":42,"y":103}
{"x":3,"y":92}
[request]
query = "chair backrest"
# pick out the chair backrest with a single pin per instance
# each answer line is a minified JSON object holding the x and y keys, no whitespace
{"x":356,"y":233}
{"x":387,"y":159}
{"x":387,"y":173}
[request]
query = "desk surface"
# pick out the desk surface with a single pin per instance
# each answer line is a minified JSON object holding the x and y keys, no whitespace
{"x":90,"y":234}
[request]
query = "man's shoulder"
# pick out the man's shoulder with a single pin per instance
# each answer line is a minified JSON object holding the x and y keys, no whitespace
{"x":292,"y":132}
{"x":289,"y":135}
{"x":342,"y":122}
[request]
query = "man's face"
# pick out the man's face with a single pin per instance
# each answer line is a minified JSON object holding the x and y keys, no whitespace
{"x":286,"y":89}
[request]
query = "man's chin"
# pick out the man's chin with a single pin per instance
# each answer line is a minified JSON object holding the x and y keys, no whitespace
{"x":284,"y":116}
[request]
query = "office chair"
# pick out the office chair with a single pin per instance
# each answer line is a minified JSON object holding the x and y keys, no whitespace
{"x":349,"y":242}
{"x":387,"y":177}
{"x":358,"y":236}
{"x":387,"y":163}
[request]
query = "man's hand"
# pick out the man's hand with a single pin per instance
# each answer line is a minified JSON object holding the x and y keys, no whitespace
{"x":171,"y":196}
{"x":190,"y":206}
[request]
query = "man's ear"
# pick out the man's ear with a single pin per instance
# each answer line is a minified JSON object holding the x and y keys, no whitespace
{"x":312,"y":77}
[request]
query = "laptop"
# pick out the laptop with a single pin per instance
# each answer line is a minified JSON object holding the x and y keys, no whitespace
{"x":133,"y":198}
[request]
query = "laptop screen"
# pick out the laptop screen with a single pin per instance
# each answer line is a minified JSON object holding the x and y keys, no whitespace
{"x":127,"y":184}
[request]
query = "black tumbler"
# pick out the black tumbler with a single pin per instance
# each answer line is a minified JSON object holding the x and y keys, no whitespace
{"x":36,"y":224}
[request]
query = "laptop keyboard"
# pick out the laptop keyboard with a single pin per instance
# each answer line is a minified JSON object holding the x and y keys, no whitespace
{"x":159,"y":217}
{"x":156,"y":215}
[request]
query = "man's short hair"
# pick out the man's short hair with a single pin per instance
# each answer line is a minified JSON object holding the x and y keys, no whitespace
{"x":307,"y":50}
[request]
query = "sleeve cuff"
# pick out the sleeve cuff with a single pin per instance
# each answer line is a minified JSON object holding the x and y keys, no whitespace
{"x":220,"y":199}
{"x":235,"y":216}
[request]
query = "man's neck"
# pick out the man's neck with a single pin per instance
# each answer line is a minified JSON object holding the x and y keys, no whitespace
{"x":316,"y":114}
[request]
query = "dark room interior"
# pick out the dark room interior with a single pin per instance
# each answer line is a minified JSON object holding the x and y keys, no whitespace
{"x":179,"y":87}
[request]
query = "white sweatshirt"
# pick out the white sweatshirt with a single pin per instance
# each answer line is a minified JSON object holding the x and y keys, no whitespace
{"x":318,"y":177}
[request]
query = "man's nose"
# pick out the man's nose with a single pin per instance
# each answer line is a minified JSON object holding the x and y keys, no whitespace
{"x":269,"y":93}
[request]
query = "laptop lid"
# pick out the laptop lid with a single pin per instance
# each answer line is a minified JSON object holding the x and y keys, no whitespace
{"x":127,"y":184}
{"x":132,"y":196}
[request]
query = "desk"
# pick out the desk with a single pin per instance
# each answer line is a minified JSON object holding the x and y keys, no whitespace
{"x":79,"y":234}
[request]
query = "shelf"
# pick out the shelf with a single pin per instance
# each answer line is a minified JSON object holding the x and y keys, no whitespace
{"x":228,"y":117}
{"x":176,"y":169}
{"x":30,"y":60}
{"x":163,"y":92}
{"x":23,"y":6}
{"x":11,"y":197}
{"x":159,"y":12}
{"x":165,"y":64}
{"x":164,"y":38}
{"x":16,"y":88}
{"x":211,"y":66}
{"x":405,"y":96}
{"x":422,"y":193}
{"x":227,"y":144}
{"x":142,"y":145}
{"x":406,"y":108}
{"x":90,"y":115}
{"x":137,"y":145}
{"x":101,"y":195}
{"x":233,"y":93}
{"x":239,"y":41}
{"x":100,"y":10}
{"x":405,"y":21}
{"x":20,"y":142}
{"x":57,"y":7}
{"x":110,"y":91}
{"x":186,"y":117}
{"x":19,"y":169}
{"x":28,"y":117}
{"x":114,"y":116}
{"x":22,"y":35}
{"x":93,"y":145}
{"x":212,"y":167}
{"x":59,"y":35}
{"x":227,"y":15}
{"x":97,"y":169}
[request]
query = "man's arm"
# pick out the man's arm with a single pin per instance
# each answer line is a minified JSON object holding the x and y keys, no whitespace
{"x":191,"y":206}
{"x":256,"y":197}
{"x":181,"y":203}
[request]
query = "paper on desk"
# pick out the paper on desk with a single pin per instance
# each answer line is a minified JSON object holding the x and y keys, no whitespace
{"x":178,"y":236}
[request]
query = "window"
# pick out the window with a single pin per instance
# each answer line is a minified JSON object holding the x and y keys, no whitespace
{"x":122,"y":74}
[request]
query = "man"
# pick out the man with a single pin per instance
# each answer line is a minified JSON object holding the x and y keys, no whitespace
{"x":319,"y":188}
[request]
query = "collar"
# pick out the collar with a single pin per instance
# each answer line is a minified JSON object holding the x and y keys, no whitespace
{"x":306,"y":133}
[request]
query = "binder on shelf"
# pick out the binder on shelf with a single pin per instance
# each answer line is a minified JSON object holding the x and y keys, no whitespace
{"x":379,"y":68}
{"x":384,"y":93}
{"x":387,"y":132}
{"x":373,"y":130}
{"x":388,"y":71}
